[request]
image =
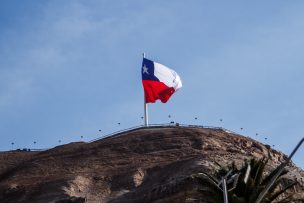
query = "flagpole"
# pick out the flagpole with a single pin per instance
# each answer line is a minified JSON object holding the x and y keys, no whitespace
{"x":145,"y":105}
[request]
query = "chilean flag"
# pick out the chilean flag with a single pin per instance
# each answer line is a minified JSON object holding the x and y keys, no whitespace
{"x":159,"y":81}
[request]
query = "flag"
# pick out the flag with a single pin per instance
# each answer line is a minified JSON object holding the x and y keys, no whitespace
{"x":159,"y":81}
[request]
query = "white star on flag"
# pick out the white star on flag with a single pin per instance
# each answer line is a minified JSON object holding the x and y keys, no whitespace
{"x":145,"y":70}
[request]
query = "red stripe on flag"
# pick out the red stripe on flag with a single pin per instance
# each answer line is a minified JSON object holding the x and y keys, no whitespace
{"x":155,"y":90}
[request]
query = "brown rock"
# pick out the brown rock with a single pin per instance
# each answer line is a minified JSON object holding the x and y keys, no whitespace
{"x":144,"y":165}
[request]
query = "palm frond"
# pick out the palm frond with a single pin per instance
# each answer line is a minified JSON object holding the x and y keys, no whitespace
{"x":267,"y":179}
{"x":275,"y":195}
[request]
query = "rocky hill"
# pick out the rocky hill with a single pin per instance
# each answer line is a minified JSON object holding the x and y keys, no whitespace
{"x":143,"y":165}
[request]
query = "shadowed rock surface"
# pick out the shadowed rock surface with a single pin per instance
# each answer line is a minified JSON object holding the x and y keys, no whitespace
{"x":143,"y":165}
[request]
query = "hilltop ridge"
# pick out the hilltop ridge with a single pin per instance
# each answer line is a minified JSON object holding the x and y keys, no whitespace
{"x":142,"y":165}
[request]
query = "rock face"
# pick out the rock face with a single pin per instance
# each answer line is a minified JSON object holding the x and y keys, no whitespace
{"x":144,"y":165}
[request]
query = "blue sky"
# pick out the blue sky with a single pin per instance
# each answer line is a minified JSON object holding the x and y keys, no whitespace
{"x":69,"y":68}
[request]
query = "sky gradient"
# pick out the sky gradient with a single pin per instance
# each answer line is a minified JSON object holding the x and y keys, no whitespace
{"x":71,"y":68}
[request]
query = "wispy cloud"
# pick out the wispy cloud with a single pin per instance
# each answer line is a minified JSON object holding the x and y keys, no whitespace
{"x":72,"y":65}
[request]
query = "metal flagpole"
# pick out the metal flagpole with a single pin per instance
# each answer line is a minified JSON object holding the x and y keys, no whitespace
{"x":145,"y":105}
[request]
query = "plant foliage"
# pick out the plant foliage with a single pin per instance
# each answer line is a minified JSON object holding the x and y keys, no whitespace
{"x":247,"y":190}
